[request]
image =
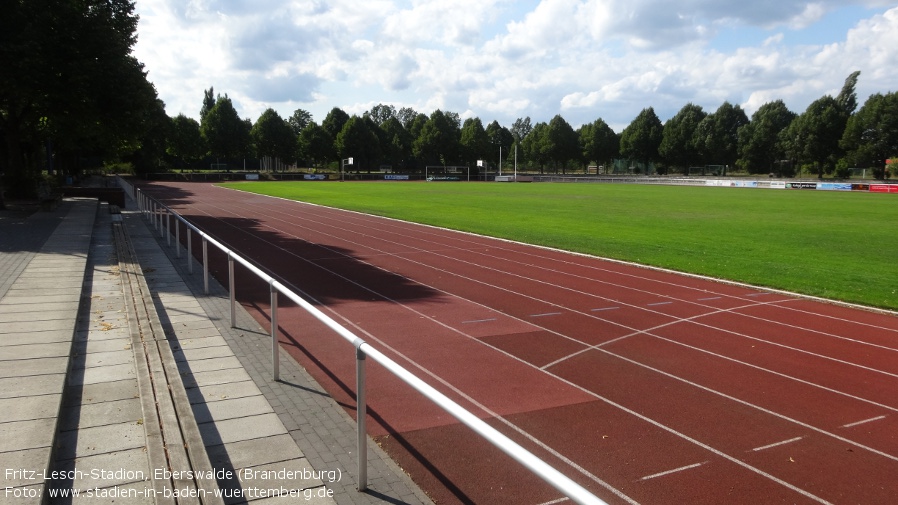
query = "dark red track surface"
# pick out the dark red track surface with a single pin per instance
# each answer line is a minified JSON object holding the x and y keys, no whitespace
{"x":644,"y":386}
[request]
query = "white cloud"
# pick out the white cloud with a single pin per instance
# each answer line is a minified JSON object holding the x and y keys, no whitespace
{"x":501,"y":59}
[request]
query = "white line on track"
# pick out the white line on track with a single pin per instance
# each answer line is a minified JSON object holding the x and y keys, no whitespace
{"x":657,"y":304}
{"x":776,"y":444}
{"x":647,"y":419}
{"x":675,"y":470}
{"x":602,"y":309}
{"x":479,"y":321}
{"x":865,"y":421}
{"x":546,"y":314}
{"x":778,"y":304}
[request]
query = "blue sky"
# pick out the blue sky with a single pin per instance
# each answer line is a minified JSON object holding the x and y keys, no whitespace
{"x":501,"y":60}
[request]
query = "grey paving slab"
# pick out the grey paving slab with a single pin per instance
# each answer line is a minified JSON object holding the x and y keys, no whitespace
{"x":101,"y":414}
{"x":33,"y":351}
{"x":29,"y":407}
{"x":40,"y":385}
{"x":108,"y":469}
{"x":232,"y":408}
{"x":101,"y":439}
{"x":27,"y":461}
{"x":29,"y":367}
{"x":36,"y":337}
{"x":102,"y":392}
{"x":218,"y":392}
{"x":30,"y":434}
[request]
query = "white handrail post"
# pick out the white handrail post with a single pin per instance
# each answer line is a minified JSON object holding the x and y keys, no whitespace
{"x":275,"y":348}
{"x":361,"y":413}
{"x":232,"y":295}
{"x":206,"y":264}
{"x":189,"y":250}
{"x":177,"y":238}
{"x":168,"y":226}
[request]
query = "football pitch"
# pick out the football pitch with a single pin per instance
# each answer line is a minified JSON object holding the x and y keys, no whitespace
{"x":834,"y":245}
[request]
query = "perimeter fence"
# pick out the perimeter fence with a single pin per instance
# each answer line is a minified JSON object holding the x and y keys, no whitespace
{"x":161,"y":216}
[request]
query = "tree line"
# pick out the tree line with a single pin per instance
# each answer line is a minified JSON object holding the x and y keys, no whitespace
{"x":73,"y":97}
{"x":829,"y":137}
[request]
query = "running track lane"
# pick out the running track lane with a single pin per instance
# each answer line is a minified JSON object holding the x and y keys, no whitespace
{"x":645,"y":386}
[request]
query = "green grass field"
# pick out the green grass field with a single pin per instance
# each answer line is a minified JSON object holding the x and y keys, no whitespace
{"x":835,"y":245}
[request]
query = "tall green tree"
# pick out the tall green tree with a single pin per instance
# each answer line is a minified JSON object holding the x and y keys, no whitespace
{"x":871,"y":135}
{"x":599,"y":143}
{"x":759,"y":148}
{"x":185,"y":141}
{"x":380,"y":113}
{"x":501,"y":140}
{"x":438,"y":141}
{"x":273,"y":137}
{"x":208,"y":102}
{"x":535,"y":146}
{"x":561,"y":143}
{"x":814,"y":135}
{"x":678,"y":140}
{"x":641,"y":139}
{"x":717,"y":136}
{"x":68,"y":74}
{"x":299,"y":119}
{"x":334,"y":121}
{"x":475,"y":144}
{"x":398,"y":148}
{"x":226,"y":135}
{"x":315,"y":146}
{"x":357,"y":141}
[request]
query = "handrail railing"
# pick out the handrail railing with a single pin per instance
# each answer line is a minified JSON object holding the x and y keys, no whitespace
{"x":160,"y":217}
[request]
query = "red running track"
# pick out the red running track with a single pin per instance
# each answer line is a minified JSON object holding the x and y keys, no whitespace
{"x":645,"y":386}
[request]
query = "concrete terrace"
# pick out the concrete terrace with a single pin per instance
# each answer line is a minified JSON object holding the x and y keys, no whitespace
{"x":121,"y":381}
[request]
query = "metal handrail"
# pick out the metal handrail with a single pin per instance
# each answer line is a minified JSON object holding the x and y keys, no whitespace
{"x":154,"y":211}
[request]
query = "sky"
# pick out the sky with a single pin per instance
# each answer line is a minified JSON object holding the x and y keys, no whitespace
{"x":502,"y":60}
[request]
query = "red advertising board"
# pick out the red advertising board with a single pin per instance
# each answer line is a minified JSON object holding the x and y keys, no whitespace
{"x":884,"y":188}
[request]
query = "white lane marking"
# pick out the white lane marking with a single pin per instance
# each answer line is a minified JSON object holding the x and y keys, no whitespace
{"x":479,"y":321}
{"x":857,"y":423}
{"x":546,"y":314}
{"x":675,"y":470}
{"x":604,"y":309}
{"x":777,"y":444}
{"x":658,"y":303}
{"x":710,"y":298}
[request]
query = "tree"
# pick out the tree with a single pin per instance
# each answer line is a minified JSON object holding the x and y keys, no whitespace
{"x":521,"y":128}
{"x":475,"y":145}
{"x":717,"y":136}
{"x":356,"y":140}
{"x":814,"y":136}
{"x":406,"y":116}
{"x":274,"y":137}
{"x":334,"y":121}
{"x":208,"y":102}
{"x":185,"y":141}
{"x":68,"y":75}
{"x":535,"y":145}
{"x":641,"y":139}
{"x":438,"y":141}
{"x":315,"y":145}
{"x":759,"y":148}
{"x":226,"y":135}
{"x":380,"y":113}
{"x":299,"y":120}
{"x":398,"y":148}
{"x":598,"y":142}
{"x":871,"y":135}
{"x":561,"y":143}
{"x":678,"y":140}
{"x":501,"y":140}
